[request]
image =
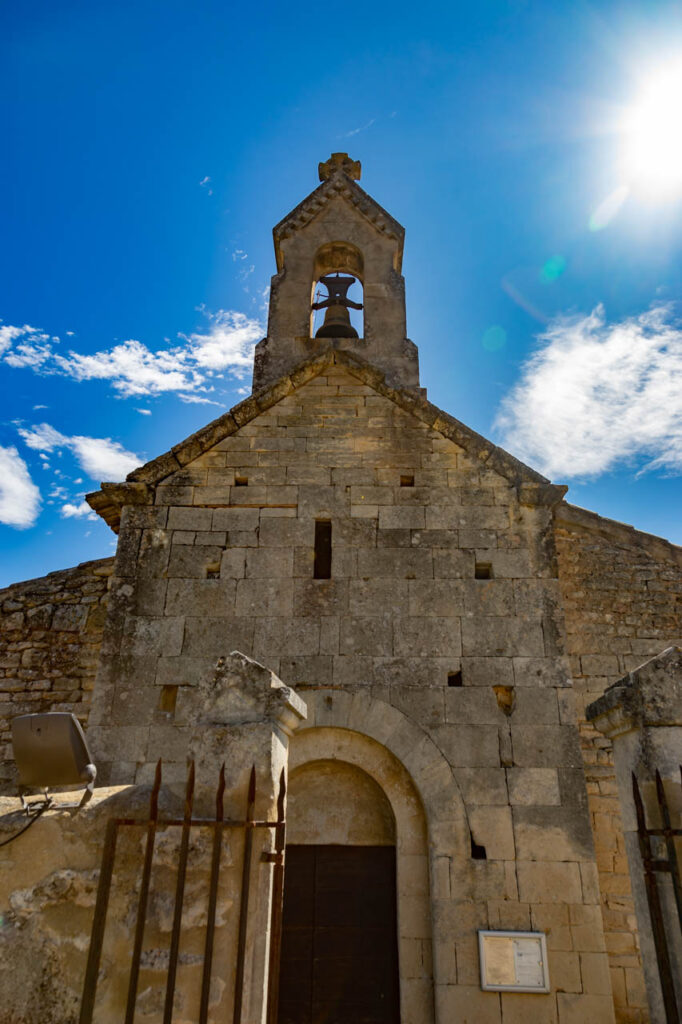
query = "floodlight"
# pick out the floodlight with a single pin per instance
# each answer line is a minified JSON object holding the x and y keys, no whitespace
{"x":50,"y":750}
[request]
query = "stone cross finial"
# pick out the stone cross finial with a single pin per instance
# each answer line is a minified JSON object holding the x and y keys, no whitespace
{"x":340,"y":163}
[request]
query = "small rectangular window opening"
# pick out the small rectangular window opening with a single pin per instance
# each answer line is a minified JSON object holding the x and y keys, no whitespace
{"x":241,"y":481}
{"x":213,"y":571}
{"x":322,"y":569}
{"x":483,"y":571}
{"x":167,"y":699}
{"x":455,"y":678}
{"x":407,"y":480}
{"x":478,"y":852}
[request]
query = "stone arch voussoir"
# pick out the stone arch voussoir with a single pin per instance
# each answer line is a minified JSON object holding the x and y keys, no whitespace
{"x":431,"y":774}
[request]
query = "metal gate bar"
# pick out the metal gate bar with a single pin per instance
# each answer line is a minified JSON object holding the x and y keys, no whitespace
{"x":179,"y":895}
{"x":669,"y":832}
{"x":99,"y":922}
{"x":187,"y":822}
{"x":244,"y":902}
{"x":652,"y":865}
{"x":144,"y":896}
{"x":212,"y":899}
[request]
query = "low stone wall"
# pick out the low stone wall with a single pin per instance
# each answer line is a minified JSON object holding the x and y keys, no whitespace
{"x":50,"y":636}
{"x":622,"y":593}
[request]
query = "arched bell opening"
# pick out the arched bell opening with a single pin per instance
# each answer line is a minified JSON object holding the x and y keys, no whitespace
{"x":337,"y":292}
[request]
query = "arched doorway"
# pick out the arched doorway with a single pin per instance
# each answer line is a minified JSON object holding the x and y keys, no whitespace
{"x":348,"y":791}
{"x":339,"y":945}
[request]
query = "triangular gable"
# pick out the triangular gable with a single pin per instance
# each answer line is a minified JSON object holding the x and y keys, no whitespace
{"x":338,"y":185}
{"x":138,"y":488}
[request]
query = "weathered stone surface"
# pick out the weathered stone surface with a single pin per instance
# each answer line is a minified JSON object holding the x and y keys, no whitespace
{"x":642,"y":715}
{"x":50,"y":633}
{"x":621,"y":598}
{"x":240,"y":715}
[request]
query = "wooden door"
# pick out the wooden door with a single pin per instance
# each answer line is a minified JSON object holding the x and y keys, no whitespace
{"x":339,"y":960}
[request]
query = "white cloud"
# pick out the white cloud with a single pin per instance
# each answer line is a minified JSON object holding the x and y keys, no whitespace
{"x":205,"y":182}
{"x":144,"y":412}
{"x":131,"y":367}
{"x":19,"y":496}
{"x":37,"y":407}
{"x":9,"y":333}
{"x":228,"y":345}
{"x":103,"y":459}
{"x":82,"y":511}
{"x":197,"y":400}
{"x":596,"y":394}
{"x":43,"y":438}
{"x":135,"y":370}
{"x":33,"y":351}
{"x":100,"y":457}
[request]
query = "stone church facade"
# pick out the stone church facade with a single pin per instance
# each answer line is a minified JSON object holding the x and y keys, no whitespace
{"x":443,"y":613}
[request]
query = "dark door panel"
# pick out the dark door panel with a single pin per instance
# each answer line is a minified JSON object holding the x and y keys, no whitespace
{"x":339,"y":960}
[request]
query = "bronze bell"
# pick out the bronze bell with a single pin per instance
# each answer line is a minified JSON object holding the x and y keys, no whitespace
{"x":337,"y":318}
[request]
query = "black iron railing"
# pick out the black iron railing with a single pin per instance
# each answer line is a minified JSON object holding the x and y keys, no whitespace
{"x":218,"y":824}
{"x":654,"y":864}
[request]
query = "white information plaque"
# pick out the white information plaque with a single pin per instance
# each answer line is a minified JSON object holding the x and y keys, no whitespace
{"x":513,"y":961}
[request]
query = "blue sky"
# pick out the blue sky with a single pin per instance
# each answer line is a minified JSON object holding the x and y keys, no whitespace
{"x":149,"y":148}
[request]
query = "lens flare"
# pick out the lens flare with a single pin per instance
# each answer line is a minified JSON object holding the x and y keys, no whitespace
{"x":553,"y":269}
{"x":494,"y":338}
{"x":608,"y":208}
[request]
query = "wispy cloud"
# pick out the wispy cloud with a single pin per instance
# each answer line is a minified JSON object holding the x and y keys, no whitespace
{"x":144,"y":412}
{"x":19,"y":496}
{"x":362,"y":128}
{"x":133,"y":369}
{"x":206,"y":183}
{"x":596,"y":394}
{"x":99,"y":457}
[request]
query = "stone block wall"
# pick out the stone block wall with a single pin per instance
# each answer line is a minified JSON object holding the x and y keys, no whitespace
{"x":463,"y":678}
{"x":217,"y":565}
{"x":50,"y":635}
{"x":622,"y":597}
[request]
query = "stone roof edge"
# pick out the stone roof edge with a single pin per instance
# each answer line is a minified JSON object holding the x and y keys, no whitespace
{"x":96,"y":566}
{"x":624,"y":691}
{"x":338,"y":184}
{"x":618,"y":533}
{"x":138,"y":487}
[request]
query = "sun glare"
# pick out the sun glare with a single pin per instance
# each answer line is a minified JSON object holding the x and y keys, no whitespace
{"x":654,"y":135}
